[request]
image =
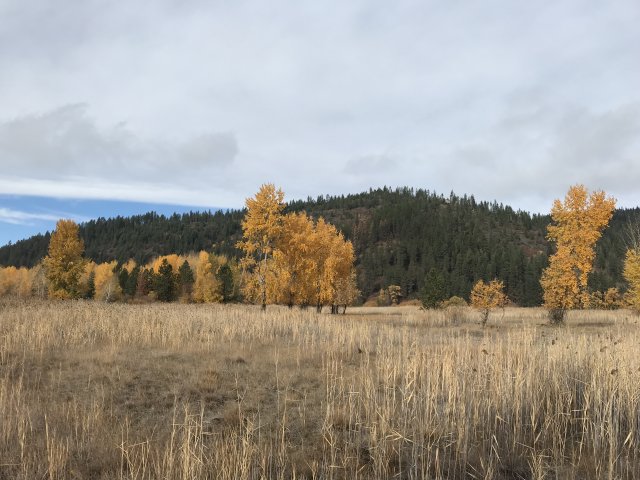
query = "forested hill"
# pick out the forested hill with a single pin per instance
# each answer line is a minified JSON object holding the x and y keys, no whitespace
{"x":399,"y":235}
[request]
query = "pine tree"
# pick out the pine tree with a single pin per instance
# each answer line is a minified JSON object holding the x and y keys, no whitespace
{"x":434,"y":290}
{"x":165,"y":282}
{"x":186,"y":279}
{"x":225,"y":279}
{"x":91,"y":286}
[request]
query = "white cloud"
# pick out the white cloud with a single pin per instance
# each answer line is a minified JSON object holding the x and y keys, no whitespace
{"x":17,"y":217}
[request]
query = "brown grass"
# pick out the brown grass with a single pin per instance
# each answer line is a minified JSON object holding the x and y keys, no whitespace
{"x":96,"y":391}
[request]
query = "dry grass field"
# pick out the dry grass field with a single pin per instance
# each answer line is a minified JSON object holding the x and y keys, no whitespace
{"x":112,"y":391}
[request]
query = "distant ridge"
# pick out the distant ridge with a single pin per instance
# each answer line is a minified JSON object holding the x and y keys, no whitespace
{"x":399,"y":235}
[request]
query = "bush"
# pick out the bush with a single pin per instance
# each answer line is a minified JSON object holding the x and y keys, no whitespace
{"x":453,"y":302}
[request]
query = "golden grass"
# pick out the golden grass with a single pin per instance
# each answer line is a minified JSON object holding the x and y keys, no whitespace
{"x":98,"y":391}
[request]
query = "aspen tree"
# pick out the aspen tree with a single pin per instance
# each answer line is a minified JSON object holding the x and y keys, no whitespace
{"x":577,"y":225}
{"x":261,"y":227}
{"x":64,"y":263}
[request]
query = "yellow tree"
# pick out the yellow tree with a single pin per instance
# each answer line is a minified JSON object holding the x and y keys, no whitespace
{"x":487,"y":296}
{"x":332,"y":264}
{"x":106,"y":281}
{"x":261,"y":228}
{"x":320,"y":246}
{"x":206,"y":288}
{"x":292,"y":262}
{"x":577,"y":225}
{"x":64,"y":263}
{"x":632,"y":276}
{"x":346,"y":291}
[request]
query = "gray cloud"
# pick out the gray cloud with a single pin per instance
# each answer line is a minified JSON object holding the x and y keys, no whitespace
{"x":370,"y":165}
{"x":66,"y":142}
{"x":506,"y":100}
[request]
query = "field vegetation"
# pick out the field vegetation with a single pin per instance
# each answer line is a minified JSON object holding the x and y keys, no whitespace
{"x":90,"y":390}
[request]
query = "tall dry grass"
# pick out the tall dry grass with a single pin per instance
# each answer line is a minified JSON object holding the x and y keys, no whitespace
{"x":91,"y":390}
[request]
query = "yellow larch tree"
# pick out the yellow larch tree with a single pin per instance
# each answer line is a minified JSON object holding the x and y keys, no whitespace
{"x":64,"y":263}
{"x":577,"y":225}
{"x":261,"y":228}
{"x":487,"y":296}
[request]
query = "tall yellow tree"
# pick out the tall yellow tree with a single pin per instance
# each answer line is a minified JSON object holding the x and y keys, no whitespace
{"x":206,"y":288}
{"x":64,"y":263}
{"x":293,"y":265}
{"x":261,"y":228}
{"x":632,"y":276}
{"x":577,"y":225}
{"x":106,"y":281}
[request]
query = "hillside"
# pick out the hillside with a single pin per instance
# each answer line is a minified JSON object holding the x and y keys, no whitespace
{"x":399,"y":235}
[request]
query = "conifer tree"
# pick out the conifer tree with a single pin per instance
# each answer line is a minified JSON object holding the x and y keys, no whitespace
{"x":91,"y":286}
{"x":434,"y":290}
{"x":185,"y":278}
{"x":165,"y":282}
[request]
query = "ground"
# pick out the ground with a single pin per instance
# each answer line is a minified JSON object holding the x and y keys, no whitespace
{"x":91,"y":390}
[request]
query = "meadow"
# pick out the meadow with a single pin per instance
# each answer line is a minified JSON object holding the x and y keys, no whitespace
{"x":91,"y":390}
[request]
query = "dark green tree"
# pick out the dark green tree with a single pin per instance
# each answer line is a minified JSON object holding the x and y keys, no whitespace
{"x":185,"y":278}
{"x":165,"y":282}
{"x":123,"y":278}
{"x":131,"y":284}
{"x":91,"y":287}
{"x":145,"y":283}
{"x":434,"y":290}
{"x":225,"y":277}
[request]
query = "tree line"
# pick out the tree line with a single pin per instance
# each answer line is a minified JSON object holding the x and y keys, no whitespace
{"x":401,"y":237}
{"x":289,"y":259}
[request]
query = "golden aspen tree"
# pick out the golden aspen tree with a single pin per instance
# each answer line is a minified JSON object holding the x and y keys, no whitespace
{"x":577,"y":225}
{"x":38,"y":281}
{"x":292,"y":264}
{"x":206,"y":288}
{"x":487,"y":296}
{"x":106,"y":281}
{"x":64,"y":263}
{"x":172,"y":259}
{"x":346,"y":291}
{"x":333,"y":259}
{"x":339,"y":273}
{"x":5,"y":281}
{"x":320,"y":244}
{"x":632,"y":276}
{"x":261,"y":228}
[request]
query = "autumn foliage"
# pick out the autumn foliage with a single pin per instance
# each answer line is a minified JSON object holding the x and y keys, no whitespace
{"x":577,"y":225}
{"x":64,"y":264}
{"x":632,"y":276}
{"x":292,"y":259}
{"x":487,"y":296}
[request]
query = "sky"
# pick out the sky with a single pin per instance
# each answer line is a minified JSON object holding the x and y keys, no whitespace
{"x":119,"y":107}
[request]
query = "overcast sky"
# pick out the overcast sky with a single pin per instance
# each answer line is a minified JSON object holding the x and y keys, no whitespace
{"x":198,"y":102}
